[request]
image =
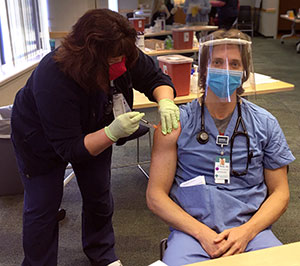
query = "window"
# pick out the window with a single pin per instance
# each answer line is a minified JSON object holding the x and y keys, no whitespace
{"x":24,"y":36}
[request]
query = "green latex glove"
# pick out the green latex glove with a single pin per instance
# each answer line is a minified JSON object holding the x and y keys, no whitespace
{"x":123,"y":126}
{"x":169,"y":115}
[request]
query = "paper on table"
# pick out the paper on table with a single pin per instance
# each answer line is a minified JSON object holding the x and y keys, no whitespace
{"x":260,"y":79}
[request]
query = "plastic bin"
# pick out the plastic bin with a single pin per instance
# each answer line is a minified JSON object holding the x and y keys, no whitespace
{"x":138,"y":24}
{"x":182,"y":38}
{"x":10,"y":180}
{"x":178,"y":67}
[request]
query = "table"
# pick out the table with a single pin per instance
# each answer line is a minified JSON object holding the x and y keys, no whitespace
{"x":169,"y":32}
{"x":285,"y":255}
{"x":141,"y":101}
{"x":293,"y":31}
{"x":170,"y":51}
{"x":62,"y":34}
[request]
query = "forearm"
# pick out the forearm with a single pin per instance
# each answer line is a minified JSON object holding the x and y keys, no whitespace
{"x":163,"y":92}
{"x":97,"y":142}
{"x":269,"y":212}
{"x":217,"y":3}
{"x":161,"y":205}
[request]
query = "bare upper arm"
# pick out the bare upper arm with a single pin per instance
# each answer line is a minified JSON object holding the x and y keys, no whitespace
{"x":163,"y":160}
{"x":276,"y":179}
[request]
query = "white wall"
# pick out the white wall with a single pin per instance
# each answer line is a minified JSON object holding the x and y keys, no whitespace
{"x":64,"y":13}
{"x":129,"y":4}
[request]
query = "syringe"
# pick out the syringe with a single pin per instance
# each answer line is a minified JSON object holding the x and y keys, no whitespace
{"x":148,"y":123}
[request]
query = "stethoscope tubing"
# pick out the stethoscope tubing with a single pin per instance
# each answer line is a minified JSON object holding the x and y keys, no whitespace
{"x":203,"y":137}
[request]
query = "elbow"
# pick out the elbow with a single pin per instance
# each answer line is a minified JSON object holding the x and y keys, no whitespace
{"x":283,"y":198}
{"x":286,"y":201}
{"x":152,"y":201}
{"x":286,"y":198}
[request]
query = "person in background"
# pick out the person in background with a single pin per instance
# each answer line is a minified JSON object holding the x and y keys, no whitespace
{"x":196,"y":12}
{"x":172,"y":9}
{"x":227,"y":12}
{"x":212,"y":16}
{"x":225,"y":182}
{"x":65,"y":113}
{"x":159,"y":11}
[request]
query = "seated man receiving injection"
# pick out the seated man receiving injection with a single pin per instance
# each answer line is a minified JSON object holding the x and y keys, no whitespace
{"x":220,"y":179}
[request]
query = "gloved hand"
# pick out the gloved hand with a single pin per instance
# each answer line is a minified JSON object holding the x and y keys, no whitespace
{"x":123,"y":126}
{"x":169,"y":115}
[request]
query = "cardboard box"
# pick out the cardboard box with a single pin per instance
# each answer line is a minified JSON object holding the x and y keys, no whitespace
{"x":154,"y":44}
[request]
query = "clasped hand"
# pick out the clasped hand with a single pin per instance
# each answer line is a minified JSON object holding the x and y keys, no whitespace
{"x":229,"y":242}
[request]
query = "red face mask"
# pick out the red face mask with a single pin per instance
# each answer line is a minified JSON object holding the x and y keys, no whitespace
{"x":117,"y":69}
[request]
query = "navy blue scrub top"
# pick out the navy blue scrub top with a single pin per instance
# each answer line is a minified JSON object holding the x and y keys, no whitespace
{"x":52,"y":113}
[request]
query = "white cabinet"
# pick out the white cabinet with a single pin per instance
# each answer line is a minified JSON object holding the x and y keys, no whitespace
{"x":269,"y":18}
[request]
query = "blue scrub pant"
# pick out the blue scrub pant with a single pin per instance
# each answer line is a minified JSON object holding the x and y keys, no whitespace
{"x":183,"y":249}
{"x":42,"y":199}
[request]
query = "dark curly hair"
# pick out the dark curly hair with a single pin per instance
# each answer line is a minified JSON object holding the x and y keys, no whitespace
{"x":98,"y":35}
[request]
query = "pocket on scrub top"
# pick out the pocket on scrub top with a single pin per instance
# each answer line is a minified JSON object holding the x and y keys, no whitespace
{"x":255,"y":174}
{"x":195,"y":200}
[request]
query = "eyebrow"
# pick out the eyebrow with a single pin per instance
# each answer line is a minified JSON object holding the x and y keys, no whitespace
{"x":236,"y":61}
{"x":231,"y":60}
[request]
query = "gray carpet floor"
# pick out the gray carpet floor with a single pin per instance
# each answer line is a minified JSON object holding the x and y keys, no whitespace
{"x":138,"y":231}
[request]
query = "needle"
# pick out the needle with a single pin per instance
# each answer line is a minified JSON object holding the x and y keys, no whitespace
{"x":148,"y":123}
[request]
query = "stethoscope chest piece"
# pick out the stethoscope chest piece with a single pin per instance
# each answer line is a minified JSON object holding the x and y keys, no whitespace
{"x":202,"y":137}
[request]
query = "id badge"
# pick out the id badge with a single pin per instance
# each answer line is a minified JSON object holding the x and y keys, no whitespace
{"x":222,"y":170}
{"x":120,"y":105}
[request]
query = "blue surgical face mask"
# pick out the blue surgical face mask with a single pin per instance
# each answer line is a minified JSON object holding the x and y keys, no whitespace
{"x":223,"y":82}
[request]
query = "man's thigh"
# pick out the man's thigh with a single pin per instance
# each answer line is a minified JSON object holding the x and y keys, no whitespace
{"x":183,"y":249}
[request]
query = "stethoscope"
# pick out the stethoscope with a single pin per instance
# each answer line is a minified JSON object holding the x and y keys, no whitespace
{"x":203,"y":137}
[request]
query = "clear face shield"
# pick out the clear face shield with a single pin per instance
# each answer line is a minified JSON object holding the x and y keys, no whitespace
{"x":225,"y":66}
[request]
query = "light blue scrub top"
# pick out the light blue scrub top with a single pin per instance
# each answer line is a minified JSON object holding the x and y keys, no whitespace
{"x":223,"y":206}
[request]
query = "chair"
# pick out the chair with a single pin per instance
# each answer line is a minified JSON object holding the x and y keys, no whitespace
{"x":143,"y":130}
{"x":163,"y":246}
{"x":245,"y":20}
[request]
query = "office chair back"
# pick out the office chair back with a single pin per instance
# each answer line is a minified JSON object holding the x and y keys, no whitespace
{"x":245,"y":20}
